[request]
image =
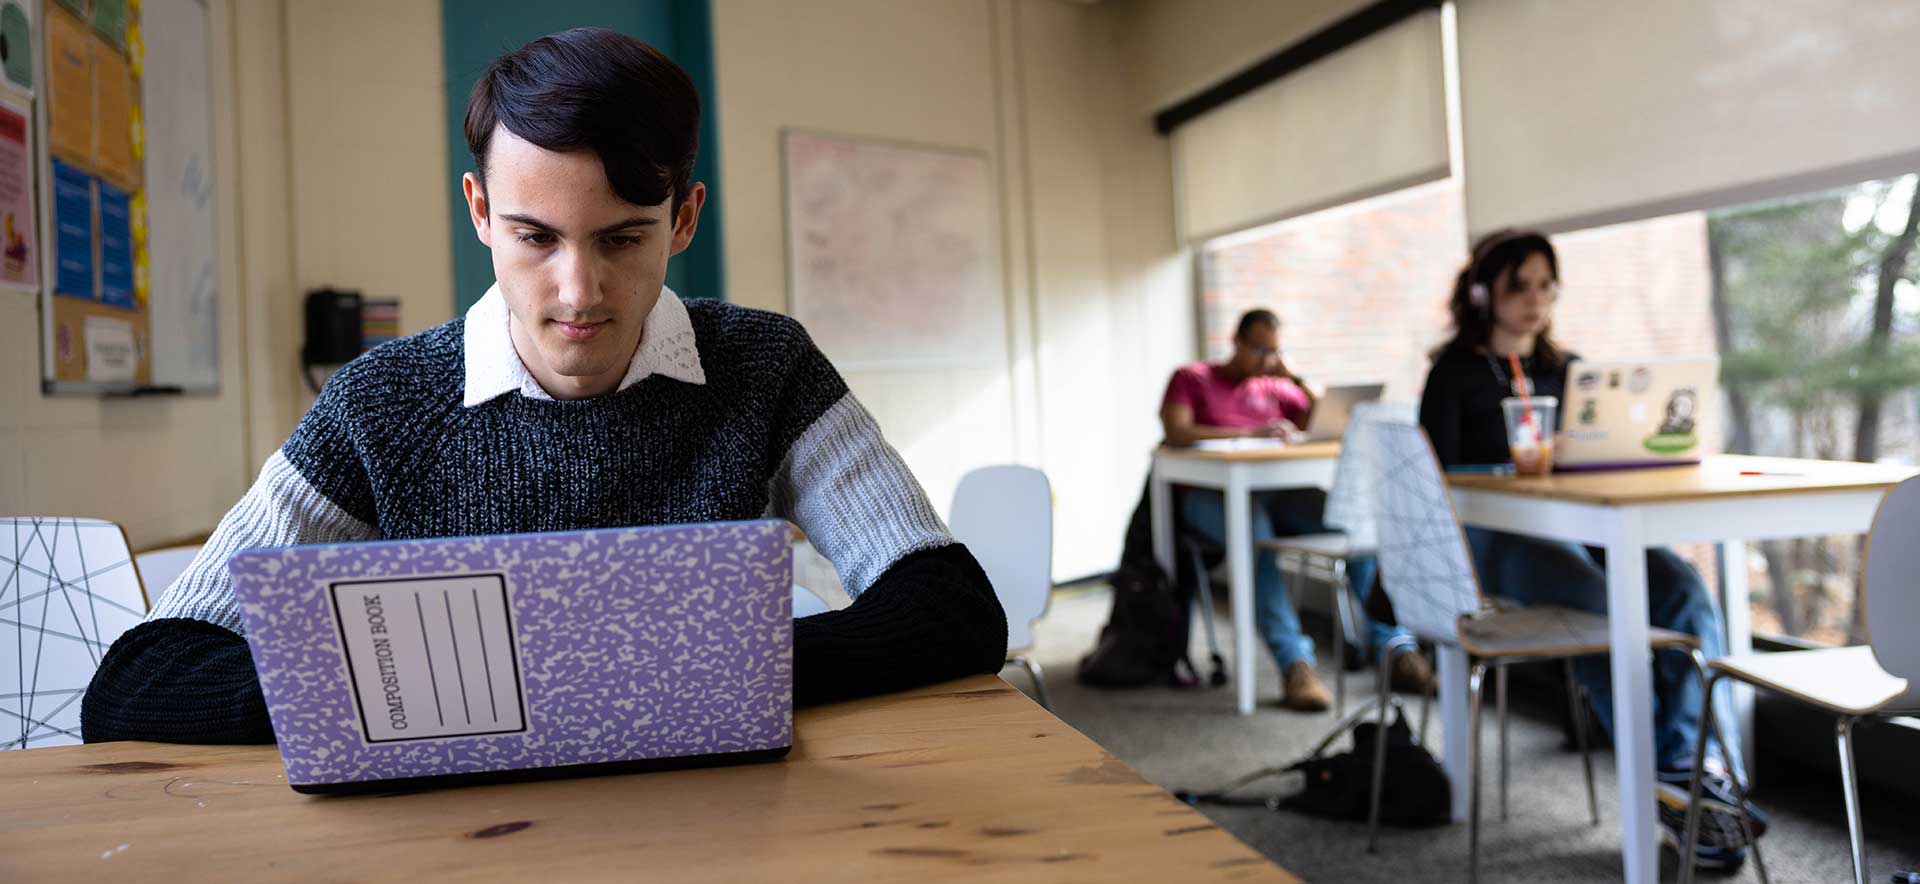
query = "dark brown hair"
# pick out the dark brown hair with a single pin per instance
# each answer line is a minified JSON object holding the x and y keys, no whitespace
{"x":1493,"y":261}
{"x":599,"y":90}
{"x":1258,"y":316}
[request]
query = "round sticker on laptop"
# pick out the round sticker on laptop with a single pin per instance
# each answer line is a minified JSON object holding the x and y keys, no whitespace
{"x":1640,"y":380}
{"x":1676,"y":435}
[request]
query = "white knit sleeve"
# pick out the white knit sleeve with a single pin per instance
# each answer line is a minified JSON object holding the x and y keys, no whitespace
{"x":854,"y":496}
{"x":281,"y":509}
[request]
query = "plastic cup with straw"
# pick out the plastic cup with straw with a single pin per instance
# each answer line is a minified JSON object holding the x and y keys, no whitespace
{"x":1529,"y":425}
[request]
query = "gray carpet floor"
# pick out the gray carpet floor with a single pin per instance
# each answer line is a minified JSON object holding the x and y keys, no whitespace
{"x":1192,"y":739}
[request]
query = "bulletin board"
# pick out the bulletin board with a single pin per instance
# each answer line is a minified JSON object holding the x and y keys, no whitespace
{"x":125,"y":252}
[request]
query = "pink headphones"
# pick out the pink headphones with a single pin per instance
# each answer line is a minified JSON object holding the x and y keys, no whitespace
{"x":1477,"y":293}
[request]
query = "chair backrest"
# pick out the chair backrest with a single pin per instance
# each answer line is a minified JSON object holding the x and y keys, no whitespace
{"x":816,"y":585}
{"x":160,"y":567}
{"x":1424,"y":564}
{"x":1004,"y":514}
{"x":1350,"y":501}
{"x":1893,"y":588}
{"x":68,"y":588}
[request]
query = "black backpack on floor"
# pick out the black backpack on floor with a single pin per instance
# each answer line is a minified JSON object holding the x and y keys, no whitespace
{"x":1415,"y":792}
{"x":1145,"y":639}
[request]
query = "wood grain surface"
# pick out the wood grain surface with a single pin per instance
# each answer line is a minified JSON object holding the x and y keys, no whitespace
{"x":965,"y":781}
{"x":1714,"y":478}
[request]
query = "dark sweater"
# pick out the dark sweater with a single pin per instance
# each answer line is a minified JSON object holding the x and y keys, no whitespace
{"x":390,"y":451}
{"x":1460,"y":405}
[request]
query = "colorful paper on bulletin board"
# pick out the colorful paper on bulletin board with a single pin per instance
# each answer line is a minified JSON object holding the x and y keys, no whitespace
{"x":19,"y":268}
{"x":110,"y":19}
{"x":142,"y":262}
{"x":113,"y":116}
{"x":92,"y":343}
{"x":69,"y":86}
{"x":16,"y":44}
{"x":113,"y":354}
{"x":72,"y":231}
{"x":116,"y":247}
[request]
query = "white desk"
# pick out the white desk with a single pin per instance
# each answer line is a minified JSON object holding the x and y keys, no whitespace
{"x":1237,"y":474}
{"x":1627,"y":512}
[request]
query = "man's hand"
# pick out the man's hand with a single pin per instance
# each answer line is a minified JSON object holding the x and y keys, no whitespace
{"x":1279,"y":429}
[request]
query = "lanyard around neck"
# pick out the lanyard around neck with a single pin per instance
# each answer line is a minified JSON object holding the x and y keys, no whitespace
{"x":1500,"y":374}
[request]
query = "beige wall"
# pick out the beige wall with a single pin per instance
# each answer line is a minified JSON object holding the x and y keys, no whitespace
{"x":162,"y":467}
{"x":1098,"y":294}
{"x":366,"y":95}
{"x":307,"y":196}
{"x":1057,"y":95}
{"x":923,"y":72}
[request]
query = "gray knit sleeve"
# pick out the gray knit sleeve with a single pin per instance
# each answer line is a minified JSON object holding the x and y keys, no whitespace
{"x":281,"y":509}
{"x":854,"y":496}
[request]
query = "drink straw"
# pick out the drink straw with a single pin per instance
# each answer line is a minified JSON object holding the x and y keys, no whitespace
{"x":1520,"y":381}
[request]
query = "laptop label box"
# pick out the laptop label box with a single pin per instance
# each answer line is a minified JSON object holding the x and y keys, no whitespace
{"x":431,"y":656}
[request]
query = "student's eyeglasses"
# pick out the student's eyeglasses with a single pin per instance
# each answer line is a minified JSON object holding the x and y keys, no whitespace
{"x":1550,"y":292}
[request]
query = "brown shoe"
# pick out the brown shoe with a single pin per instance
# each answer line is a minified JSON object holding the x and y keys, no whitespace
{"x":1407,"y":672}
{"x":1302,"y":690}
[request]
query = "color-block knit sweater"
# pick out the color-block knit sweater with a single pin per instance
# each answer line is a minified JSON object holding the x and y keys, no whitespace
{"x":390,"y":451}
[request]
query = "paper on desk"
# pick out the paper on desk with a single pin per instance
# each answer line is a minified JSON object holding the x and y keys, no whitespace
{"x":1245,"y":443}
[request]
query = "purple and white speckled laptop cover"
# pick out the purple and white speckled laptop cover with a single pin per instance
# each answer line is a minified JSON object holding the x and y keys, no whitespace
{"x":470,"y":659}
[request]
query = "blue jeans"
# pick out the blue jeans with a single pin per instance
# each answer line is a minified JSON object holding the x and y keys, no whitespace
{"x":1280,"y":514}
{"x":1550,"y":572}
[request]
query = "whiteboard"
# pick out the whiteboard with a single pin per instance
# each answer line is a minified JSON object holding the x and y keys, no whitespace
{"x":183,"y":262}
{"x":892,"y":253}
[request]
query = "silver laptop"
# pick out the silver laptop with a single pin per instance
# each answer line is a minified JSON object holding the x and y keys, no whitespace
{"x":1636,"y":412}
{"x":1335,"y":408}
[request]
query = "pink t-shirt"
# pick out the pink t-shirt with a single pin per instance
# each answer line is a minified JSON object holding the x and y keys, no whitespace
{"x":1217,"y":401}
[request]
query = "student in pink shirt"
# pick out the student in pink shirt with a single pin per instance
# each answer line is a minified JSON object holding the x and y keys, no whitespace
{"x":1255,"y":394}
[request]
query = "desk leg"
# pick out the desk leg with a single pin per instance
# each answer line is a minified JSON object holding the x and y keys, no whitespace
{"x":1632,"y":697}
{"x":1738,"y":612}
{"x":1453,"y":724}
{"x":1240,"y":574}
{"x":1160,"y":506}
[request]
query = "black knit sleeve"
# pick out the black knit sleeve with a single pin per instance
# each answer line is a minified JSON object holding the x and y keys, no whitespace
{"x":176,"y":681}
{"x":930,"y":617}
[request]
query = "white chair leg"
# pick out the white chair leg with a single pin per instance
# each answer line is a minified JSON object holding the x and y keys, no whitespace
{"x":1500,"y":700}
{"x":1849,"y":778}
{"x":1475,"y":680}
{"x":1039,"y":680}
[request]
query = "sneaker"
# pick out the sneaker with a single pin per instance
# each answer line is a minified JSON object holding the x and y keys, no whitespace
{"x":1302,"y":690}
{"x":1717,"y":861}
{"x":1407,"y":673}
{"x":1720,"y":814}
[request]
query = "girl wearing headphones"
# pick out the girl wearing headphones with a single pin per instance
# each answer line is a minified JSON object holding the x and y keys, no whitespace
{"x":1502,"y":308}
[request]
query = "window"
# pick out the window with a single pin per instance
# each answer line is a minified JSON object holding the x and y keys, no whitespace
{"x":1816,"y":308}
{"x":1361,"y":289}
{"x":1812,"y":304}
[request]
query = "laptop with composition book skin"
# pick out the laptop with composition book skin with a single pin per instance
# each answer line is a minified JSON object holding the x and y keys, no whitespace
{"x":1636,"y":412}
{"x":454,"y":661}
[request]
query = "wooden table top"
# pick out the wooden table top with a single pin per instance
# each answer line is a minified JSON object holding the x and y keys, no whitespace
{"x":1296,"y":451}
{"x":965,"y":781}
{"x":1715,"y":478}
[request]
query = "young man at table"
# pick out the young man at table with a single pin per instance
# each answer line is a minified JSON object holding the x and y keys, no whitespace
{"x":1253,"y":393}
{"x":1502,"y":307}
{"x":579,"y":393}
